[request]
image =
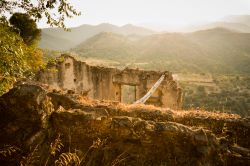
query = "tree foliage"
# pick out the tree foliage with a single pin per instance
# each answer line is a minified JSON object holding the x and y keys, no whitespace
{"x":17,"y":59}
{"x":26,"y":27}
{"x":12,"y":51}
{"x":55,"y":11}
{"x":12,"y":64}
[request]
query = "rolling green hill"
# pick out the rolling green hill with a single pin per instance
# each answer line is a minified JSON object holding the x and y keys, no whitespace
{"x":55,"y":43}
{"x":215,"y":50}
{"x":109,"y":46}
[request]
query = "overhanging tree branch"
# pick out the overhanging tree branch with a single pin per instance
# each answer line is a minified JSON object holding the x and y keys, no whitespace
{"x":55,"y":11}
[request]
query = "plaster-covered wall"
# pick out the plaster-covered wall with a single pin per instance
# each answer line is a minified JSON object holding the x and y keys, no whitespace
{"x":107,"y":83}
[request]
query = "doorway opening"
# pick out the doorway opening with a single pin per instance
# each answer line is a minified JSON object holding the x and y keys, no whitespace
{"x":128,"y":94}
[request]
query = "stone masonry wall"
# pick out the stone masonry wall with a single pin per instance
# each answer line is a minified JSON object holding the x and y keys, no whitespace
{"x":106,"y":83}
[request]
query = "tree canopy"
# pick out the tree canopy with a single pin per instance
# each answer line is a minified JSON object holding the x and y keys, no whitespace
{"x":26,"y":27}
{"x":55,"y":11}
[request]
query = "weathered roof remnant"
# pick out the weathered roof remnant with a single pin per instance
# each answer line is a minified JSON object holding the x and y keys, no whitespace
{"x":104,"y":83}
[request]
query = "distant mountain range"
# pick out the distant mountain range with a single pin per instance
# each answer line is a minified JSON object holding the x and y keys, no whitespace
{"x":239,"y":23}
{"x":241,"y":19}
{"x":58,"y":39}
{"x":239,"y":27}
{"x":219,"y":47}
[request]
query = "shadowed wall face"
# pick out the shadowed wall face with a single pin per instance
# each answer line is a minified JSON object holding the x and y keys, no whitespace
{"x":102,"y":83}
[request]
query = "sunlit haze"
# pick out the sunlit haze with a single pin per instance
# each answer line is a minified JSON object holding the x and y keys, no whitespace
{"x":155,"y":13}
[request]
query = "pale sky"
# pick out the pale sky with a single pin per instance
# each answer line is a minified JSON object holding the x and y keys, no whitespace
{"x":157,"y":12}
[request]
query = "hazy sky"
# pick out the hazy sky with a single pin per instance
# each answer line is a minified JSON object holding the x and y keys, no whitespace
{"x":158,"y":12}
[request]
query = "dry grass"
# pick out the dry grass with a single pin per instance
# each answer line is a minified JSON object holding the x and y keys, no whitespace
{"x":205,"y":114}
{"x":176,"y":113}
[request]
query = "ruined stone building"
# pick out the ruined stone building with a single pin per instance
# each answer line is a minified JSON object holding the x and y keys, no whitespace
{"x":103,"y":83}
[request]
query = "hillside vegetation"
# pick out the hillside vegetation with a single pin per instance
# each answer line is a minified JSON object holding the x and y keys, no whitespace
{"x":215,"y":50}
{"x":225,"y":93}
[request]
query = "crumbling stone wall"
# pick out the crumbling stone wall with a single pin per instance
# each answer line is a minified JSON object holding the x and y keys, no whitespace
{"x":107,"y":83}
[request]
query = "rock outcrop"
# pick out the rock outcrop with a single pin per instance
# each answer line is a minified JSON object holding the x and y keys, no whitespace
{"x":32,"y":117}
